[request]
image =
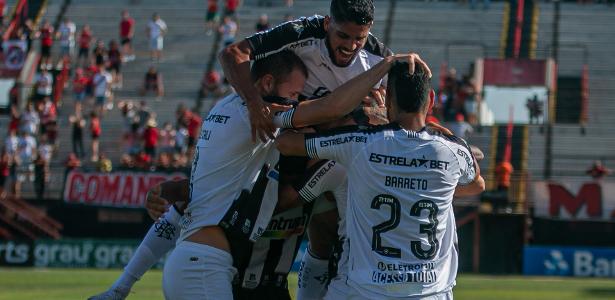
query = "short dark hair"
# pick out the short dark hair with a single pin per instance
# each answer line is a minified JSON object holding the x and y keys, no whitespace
{"x":411,"y":91}
{"x":357,"y":11}
{"x":279,"y":65}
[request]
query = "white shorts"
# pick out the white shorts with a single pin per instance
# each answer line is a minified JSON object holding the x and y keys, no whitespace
{"x":338,"y":289}
{"x":156,"y":43}
{"x":197,"y":271}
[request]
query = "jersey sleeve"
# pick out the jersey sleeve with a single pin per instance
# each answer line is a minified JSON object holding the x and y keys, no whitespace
{"x":339,"y":145}
{"x":466,"y":161}
{"x":284,"y":35}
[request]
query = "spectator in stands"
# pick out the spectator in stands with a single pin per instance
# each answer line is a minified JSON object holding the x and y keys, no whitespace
{"x":28,"y":33}
{"x":78,"y":125}
{"x":127,"y":162}
{"x":52,"y":132}
{"x":231,"y":7}
{"x":263,"y":23}
{"x":228,"y":29}
{"x":14,"y":121}
{"x":100,"y":53}
{"x":47,"y":113}
{"x":30,"y":120}
{"x":72,"y":162}
{"x":127,"y":32}
{"x":24,"y":158}
{"x":211,"y":85}
{"x":289,"y":3}
{"x":143,"y":161}
{"x":128,"y":114}
{"x":5,"y":170}
{"x":164,"y":162}
{"x":11,"y":142}
{"x":104,"y":164}
{"x":150,"y":137}
{"x":115,"y":63}
{"x":14,"y":97}
{"x":102,"y":90}
{"x":144,"y":113}
{"x":66,"y":35}
{"x":211,"y":16}
{"x":598,"y":170}
{"x":193,"y":123}
{"x":85,"y":39}
{"x":95,"y":131}
{"x":156,"y":29}
{"x":43,"y":84}
{"x":45,"y":34}
{"x":503,"y":172}
{"x":534,"y":108}
{"x":41,"y":175}
{"x":460,"y":127}
{"x":132,"y":140}
{"x":166,"y":138}
{"x":469,"y":95}
{"x":153,"y":82}
{"x":181,"y":140}
{"x":80,"y":82}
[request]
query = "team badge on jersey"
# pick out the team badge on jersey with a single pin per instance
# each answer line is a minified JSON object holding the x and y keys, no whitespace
{"x":298,"y":28}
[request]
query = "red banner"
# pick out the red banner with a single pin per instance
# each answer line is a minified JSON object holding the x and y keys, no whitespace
{"x":514,"y":72}
{"x":575,"y":199}
{"x":118,"y":189}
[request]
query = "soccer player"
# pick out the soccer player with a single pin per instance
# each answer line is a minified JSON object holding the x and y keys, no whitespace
{"x":335,"y":49}
{"x":401,"y":181}
{"x":227,"y":162}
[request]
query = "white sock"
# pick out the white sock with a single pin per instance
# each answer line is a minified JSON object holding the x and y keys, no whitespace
{"x":312,"y":278}
{"x":160,"y":238}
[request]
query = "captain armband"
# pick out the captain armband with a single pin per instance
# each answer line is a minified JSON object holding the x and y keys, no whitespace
{"x":284,"y":119}
{"x":326,"y":175}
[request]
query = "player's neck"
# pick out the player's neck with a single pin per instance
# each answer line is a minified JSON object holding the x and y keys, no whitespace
{"x":411,"y":121}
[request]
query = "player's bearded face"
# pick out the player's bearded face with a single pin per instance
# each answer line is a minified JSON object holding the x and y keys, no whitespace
{"x":289,"y":87}
{"x":345,"y":40}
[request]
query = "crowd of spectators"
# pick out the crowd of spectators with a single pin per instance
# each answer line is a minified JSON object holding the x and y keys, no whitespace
{"x":95,"y":73}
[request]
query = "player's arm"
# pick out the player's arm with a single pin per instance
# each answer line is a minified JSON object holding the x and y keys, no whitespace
{"x":235,"y":60}
{"x":344,"y":98}
{"x":476,"y":185}
{"x":291,"y":143}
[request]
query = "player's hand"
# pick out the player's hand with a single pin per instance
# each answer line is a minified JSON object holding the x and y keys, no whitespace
{"x":413,"y":59}
{"x":477,"y":153}
{"x":261,"y":119}
{"x":377,"y":95}
{"x":156,"y":206}
{"x":439,"y":128}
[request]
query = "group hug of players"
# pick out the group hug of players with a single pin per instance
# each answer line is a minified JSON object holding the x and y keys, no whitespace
{"x":325,"y":135}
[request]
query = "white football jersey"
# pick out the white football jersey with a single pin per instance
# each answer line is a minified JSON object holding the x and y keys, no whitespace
{"x":226,"y":162}
{"x":306,"y":37}
{"x":399,"y":218}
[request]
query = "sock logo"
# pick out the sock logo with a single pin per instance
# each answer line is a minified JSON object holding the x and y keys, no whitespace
{"x":164,"y":229}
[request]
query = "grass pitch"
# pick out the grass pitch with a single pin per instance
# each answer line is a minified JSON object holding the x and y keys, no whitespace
{"x":66,"y":284}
